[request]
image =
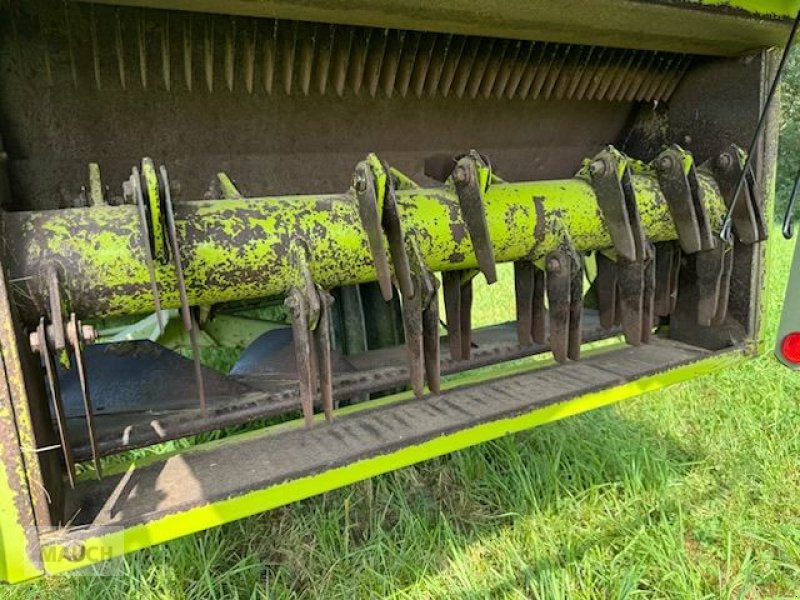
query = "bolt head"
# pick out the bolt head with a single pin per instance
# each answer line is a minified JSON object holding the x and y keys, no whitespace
{"x":127,"y":192}
{"x":88,"y":333}
{"x":724,"y":161}
{"x":33,"y":339}
{"x":597,"y":167}
{"x":665,"y":163}
{"x":360,"y":181}
{"x":460,"y":174}
{"x":553,"y":265}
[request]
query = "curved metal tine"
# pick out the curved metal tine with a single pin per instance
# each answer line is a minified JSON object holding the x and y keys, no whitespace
{"x":55,"y":398}
{"x":296,"y":305}
{"x":390,"y":220}
{"x":575,"y":332}
{"x":323,"y":348}
{"x":558,"y":283}
{"x":451,"y":288}
{"x":186,"y":310}
{"x":523,"y":291}
{"x":539,"y":311}
{"x":466,"y":317}
{"x":366,"y":196}
{"x":412,"y":326}
{"x":77,"y":347}
{"x":431,"y":344}
{"x":606,"y":290}
{"x":148,"y":254}
{"x":648,"y":293}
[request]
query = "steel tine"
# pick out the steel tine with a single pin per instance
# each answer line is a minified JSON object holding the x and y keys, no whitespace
{"x":708,"y":272}
{"x":631,"y":289}
{"x":575,"y":335}
{"x":431,"y":343}
{"x":296,"y":305}
{"x":186,"y":311}
{"x":558,"y":297}
{"x":55,"y":398}
{"x":674,"y":277}
{"x":539,"y":314}
{"x":198,"y":367}
{"x":80,"y":364}
{"x":364,"y":184}
{"x":466,"y":319}
{"x":394,"y":235}
{"x":662,"y":302}
{"x":323,"y":347}
{"x":412,"y":325}
{"x":724,"y":287}
{"x":523,"y":290}
{"x":648,"y":293}
{"x":470,"y":199}
{"x":606,"y":290}
{"x":451,"y":288}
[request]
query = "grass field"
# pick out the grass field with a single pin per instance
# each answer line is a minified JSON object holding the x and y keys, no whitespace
{"x":691,"y":492}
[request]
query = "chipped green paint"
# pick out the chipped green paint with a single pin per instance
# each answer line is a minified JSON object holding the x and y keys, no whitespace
{"x":21,"y":483}
{"x":239,"y":249}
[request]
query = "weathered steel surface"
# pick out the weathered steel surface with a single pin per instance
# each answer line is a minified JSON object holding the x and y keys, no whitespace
{"x":239,"y":249}
{"x":712,"y":27}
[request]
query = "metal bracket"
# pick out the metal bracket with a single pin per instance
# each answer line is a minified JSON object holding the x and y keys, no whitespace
{"x":713,"y":270}
{"x":310,"y":306}
{"x":421,"y":325}
{"x":747,"y":214}
{"x":668,"y":265}
{"x":529,"y":289}
{"x":47,"y":341}
{"x":471,"y":177}
{"x":457,"y":290}
{"x":564,"y":269}
{"x":610,"y":175}
{"x":369,"y":184}
{"x":677,"y":177}
{"x":626,"y":294}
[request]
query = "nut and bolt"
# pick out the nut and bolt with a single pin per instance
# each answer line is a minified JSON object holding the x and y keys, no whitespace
{"x":88,"y":335}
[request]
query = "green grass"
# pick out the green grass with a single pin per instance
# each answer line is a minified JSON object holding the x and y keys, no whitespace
{"x":691,"y":492}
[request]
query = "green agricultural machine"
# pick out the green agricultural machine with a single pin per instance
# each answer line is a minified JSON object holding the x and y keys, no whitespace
{"x":263,"y":225}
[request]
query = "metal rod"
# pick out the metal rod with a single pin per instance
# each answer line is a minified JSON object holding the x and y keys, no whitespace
{"x":186,"y":310}
{"x":726,"y":234}
{"x":77,"y":347}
